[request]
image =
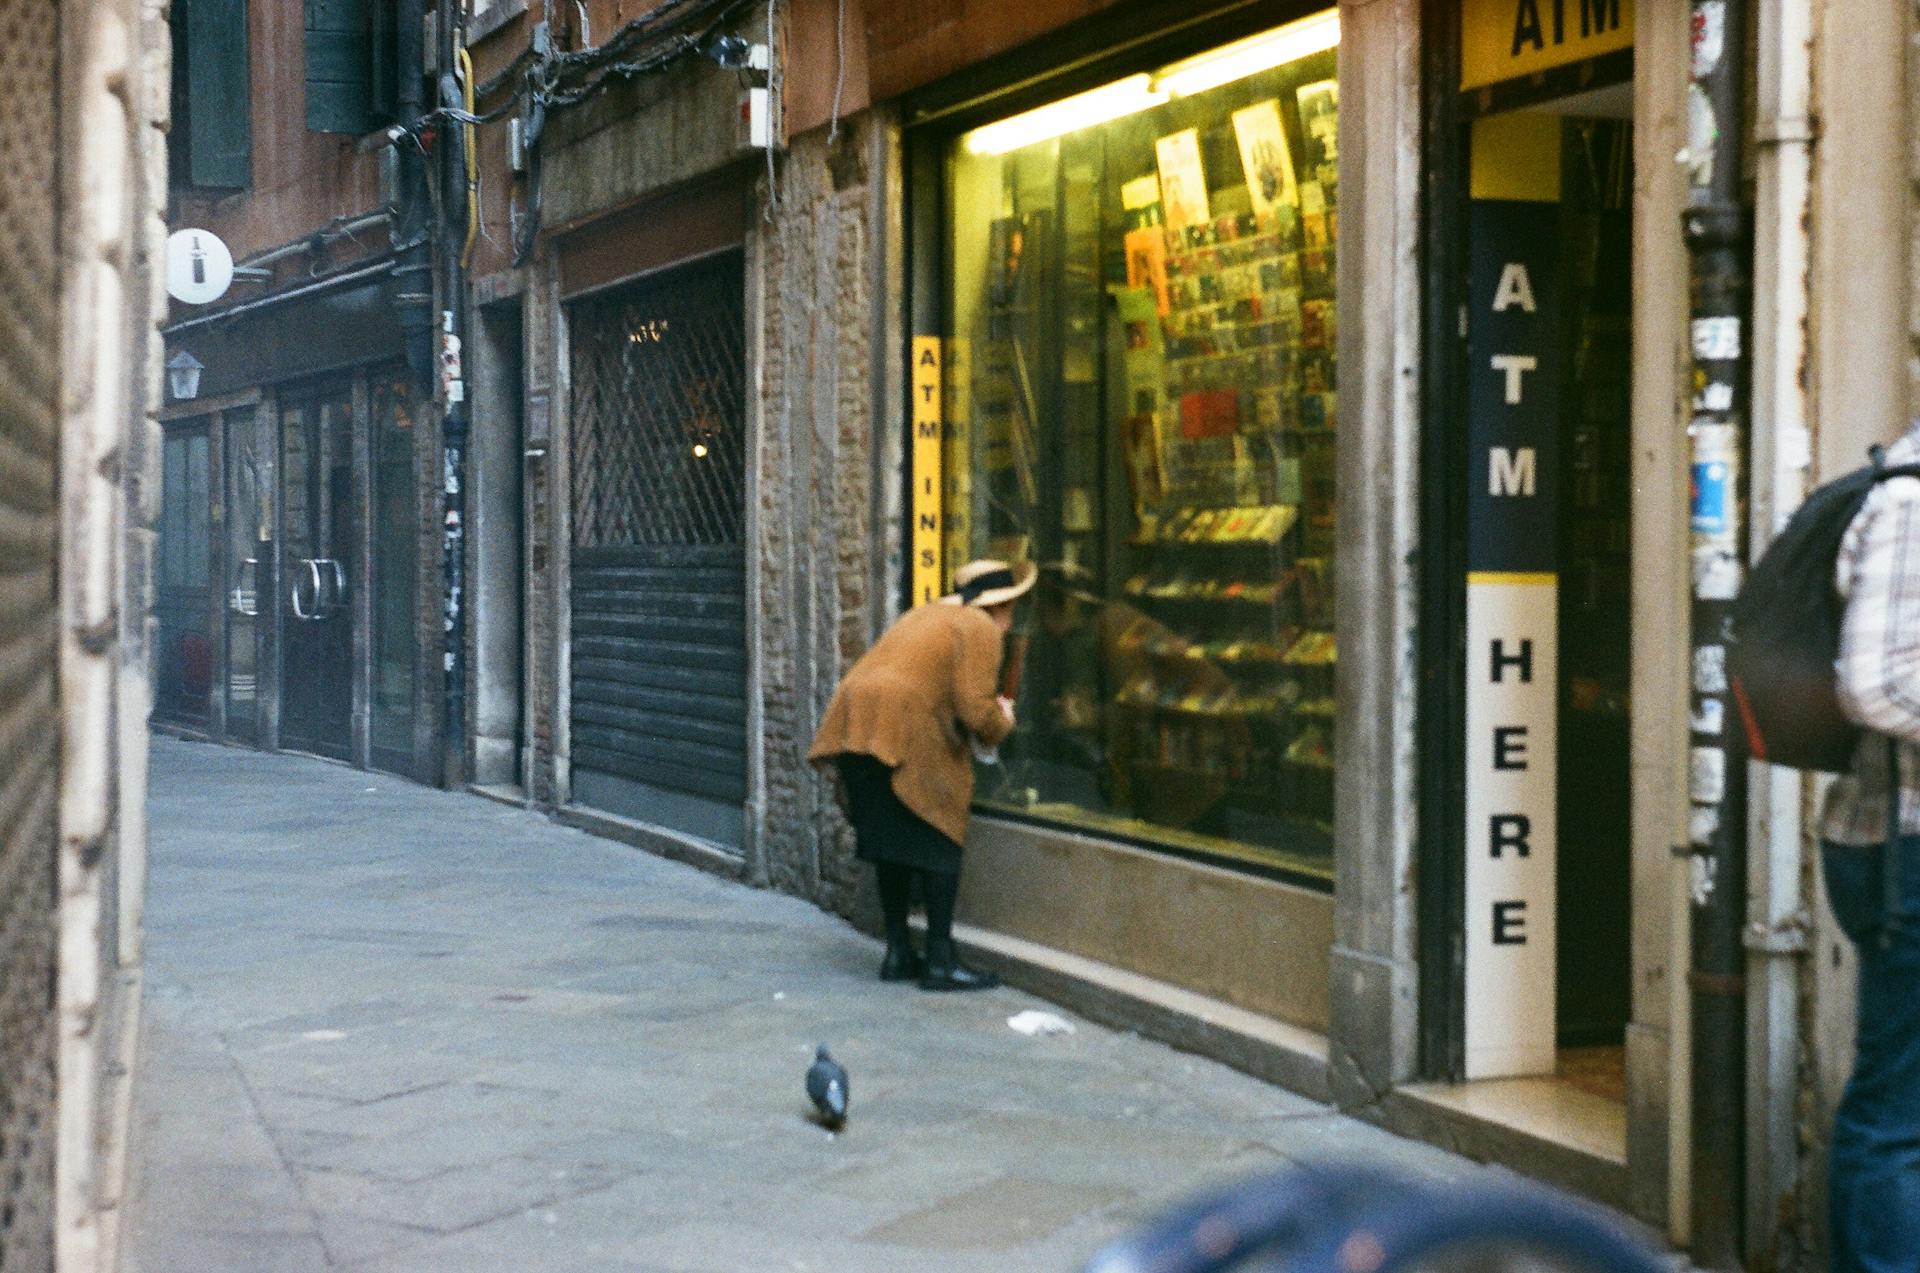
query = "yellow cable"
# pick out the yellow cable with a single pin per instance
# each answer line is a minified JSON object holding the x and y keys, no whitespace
{"x":473,"y":161}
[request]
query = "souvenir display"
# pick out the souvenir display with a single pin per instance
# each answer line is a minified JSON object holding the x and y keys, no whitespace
{"x":1148,"y":312}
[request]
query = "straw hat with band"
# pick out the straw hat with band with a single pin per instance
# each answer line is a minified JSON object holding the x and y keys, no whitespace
{"x":988,"y":583}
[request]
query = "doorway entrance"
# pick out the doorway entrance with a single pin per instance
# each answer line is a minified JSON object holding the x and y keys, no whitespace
{"x":1539,"y":889}
{"x":184,"y":639}
{"x":318,"y":551}
{"x":247,"y":564}
{"x":658,"y":561}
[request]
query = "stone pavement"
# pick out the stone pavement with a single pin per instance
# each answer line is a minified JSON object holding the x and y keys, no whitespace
{"x":396,"y":1029}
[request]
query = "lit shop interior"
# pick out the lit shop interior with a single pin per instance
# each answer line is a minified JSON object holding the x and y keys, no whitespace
{"x":1142,"y":398}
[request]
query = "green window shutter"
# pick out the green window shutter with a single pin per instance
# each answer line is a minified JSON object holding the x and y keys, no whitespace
{"x":219,"y":121}
{"x":340,"y":65}
{"x":384,"y":57}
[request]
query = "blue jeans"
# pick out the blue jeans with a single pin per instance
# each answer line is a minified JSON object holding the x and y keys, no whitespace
{"x":1874,"y":1175}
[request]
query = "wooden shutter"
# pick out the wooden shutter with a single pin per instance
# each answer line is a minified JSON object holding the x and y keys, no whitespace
{"x":219,"y":118}
{"x":351,"y":69}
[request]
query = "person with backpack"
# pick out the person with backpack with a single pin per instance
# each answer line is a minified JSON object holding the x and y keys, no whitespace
{"x":1871,"y":861}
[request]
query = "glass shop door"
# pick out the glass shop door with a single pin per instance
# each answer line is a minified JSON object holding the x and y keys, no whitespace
{"x":183,"y":644}
{"x":318,"y":550}
{"x":248,"y":563}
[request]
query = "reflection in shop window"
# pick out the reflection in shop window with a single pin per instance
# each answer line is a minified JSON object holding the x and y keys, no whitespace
{"x":1142,"y":398}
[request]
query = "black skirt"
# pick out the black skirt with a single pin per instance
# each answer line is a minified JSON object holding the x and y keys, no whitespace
{"x":884,"y":829}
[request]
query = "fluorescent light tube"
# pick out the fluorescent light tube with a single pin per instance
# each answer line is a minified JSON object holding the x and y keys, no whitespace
{"x":1252,"y":55}
{"x":1069,"y":114}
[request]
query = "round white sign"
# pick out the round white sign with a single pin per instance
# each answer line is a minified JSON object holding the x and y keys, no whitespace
{"x":199,"y":267}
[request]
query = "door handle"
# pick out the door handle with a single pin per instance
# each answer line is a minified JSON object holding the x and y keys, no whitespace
{"x":313,"y":573}
{"x":329,"y":599}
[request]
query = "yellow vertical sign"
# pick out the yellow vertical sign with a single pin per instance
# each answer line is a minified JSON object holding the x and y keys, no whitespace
{"x":926,"y":511}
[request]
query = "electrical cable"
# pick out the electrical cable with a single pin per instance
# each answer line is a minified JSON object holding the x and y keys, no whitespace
{"x":839,"y":66}
{"x":472,"y":158}
{"x":561,"y":81}
{"x":507,"y":74}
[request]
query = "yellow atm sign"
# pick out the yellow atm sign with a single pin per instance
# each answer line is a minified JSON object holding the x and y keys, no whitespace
{"x":924,"y":461}
{"x":1506,"y":39}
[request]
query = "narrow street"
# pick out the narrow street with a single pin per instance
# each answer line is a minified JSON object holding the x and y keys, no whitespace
{"x":392,"y":1028}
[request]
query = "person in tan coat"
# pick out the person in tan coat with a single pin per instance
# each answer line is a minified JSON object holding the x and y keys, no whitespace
{"x":899,"y":731}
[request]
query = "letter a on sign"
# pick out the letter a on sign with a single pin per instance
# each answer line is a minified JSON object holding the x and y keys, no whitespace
{"x":1515,"y":289}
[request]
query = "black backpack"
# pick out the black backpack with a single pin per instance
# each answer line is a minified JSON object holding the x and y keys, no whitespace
{"x":1786,"y":631}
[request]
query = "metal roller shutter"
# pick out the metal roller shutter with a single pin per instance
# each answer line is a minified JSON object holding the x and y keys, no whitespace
{"x":659,"y":661}
{"x":29,"y":725}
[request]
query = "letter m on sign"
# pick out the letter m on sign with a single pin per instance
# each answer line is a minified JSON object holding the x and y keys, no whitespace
{"x":1597,"y":17}
{"x":1510,"y":472}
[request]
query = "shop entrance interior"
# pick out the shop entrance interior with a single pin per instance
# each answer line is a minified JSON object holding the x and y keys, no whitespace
{"x":1547,"y":230}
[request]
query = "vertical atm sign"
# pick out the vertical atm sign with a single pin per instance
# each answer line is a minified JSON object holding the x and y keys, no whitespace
{"x":1512,"y":782}
{"x":924,"y":462}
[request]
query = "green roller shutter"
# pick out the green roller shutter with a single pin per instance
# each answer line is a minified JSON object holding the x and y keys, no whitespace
{"x":351,"y":70}
{"x":219,"y":121}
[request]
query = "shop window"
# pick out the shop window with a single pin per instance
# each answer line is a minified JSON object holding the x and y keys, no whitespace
{"x":1142,"y":398}
{"x":211,"y":142}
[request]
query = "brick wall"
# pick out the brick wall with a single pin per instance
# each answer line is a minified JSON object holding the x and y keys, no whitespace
{"x":829,"y":452}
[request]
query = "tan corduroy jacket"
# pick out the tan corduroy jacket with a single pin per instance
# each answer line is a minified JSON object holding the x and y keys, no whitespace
{"x":912,"y":701}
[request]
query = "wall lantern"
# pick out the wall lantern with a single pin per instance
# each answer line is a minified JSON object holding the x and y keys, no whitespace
{"x":183,"y":376}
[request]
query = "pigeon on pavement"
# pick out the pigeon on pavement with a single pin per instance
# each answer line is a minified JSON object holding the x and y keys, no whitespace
{"x":827,"y":1089}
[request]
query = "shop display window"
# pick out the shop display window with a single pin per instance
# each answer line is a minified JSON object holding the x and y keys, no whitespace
{"x":1142,"y":398}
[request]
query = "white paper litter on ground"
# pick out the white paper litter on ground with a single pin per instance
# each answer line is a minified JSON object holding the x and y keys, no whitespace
{"x":1034,"y":1022}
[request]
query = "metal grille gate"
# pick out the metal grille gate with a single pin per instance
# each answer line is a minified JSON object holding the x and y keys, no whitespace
{"x":29,"y":432}
{"x":659,"y":569}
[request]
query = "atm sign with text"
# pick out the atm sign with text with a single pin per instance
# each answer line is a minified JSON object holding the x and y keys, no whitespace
{"x":1508,"y":39}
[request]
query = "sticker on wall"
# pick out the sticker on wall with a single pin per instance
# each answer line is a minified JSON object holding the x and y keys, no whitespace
{"x":1715,"y":397}
{"x":1716,"y":574}
{"x":1716,"y":339}
{"x":1703,"y":136}
{"x":1701,"y":874}
{"x":1710,"y":669}
{"x":1709,"y":36}
{"x":1711,"y":497}
{"x":1707,"y":775}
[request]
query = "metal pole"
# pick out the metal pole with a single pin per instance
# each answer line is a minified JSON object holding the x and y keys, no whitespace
{"x":1718,"y":238}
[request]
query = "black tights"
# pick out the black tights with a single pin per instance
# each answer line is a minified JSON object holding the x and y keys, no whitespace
{"x":896,"y":899}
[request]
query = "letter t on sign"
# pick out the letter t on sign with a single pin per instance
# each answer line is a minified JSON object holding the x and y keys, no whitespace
{"x":1514,"y":365}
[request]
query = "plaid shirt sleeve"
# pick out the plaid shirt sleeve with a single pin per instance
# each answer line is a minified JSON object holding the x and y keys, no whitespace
{"x":1879,"y":665}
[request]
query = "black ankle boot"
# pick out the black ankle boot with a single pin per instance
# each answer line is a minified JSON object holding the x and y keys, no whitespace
{"x":901,"y":964}
{"x":946,"y":972}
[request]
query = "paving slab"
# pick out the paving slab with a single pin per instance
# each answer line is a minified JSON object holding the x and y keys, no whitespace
{"x":400,"y":1030}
